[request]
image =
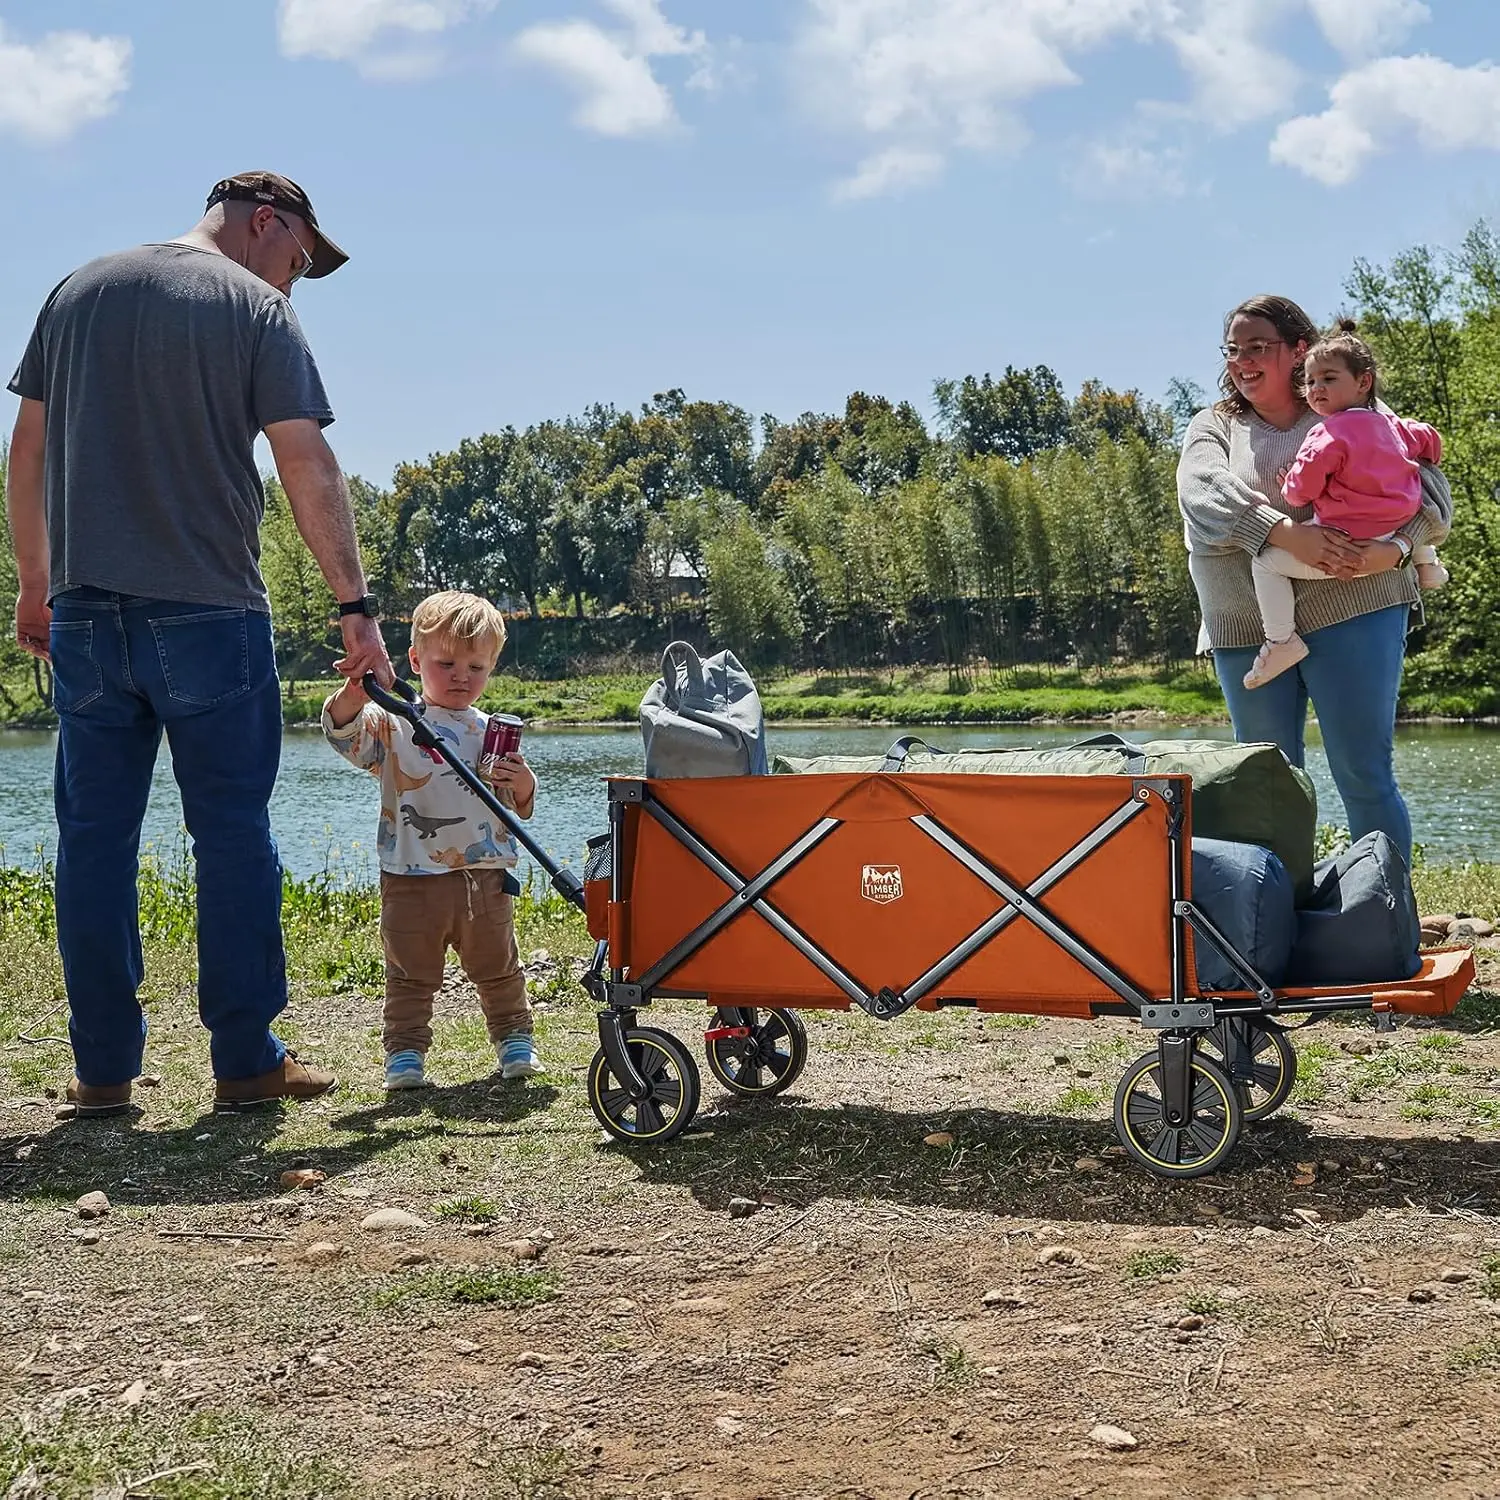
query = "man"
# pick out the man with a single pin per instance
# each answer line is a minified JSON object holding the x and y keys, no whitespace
{"x":135,"y":507}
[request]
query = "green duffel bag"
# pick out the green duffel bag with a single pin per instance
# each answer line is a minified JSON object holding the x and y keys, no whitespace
{"x":1247,"y":794}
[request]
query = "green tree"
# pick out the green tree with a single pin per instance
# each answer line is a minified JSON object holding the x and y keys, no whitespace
{"x":932,"y":545}
{"x":302,"y":608}
{"x":1184,"y":400}
{"x":988,"y":489}
{"x":561,"y":454}
{"x":597,"y":533}
{"x":717,"y":450}
{"x":750,"y":604}
{"x":789,"y":452}
{"x":429,"y":540}
{"x":1023,"y":413}
{"x":1097,"y":411}
{"x":880,"y":445}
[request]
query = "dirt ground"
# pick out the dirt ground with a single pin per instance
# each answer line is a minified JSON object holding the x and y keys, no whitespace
{"x":894,"y":1318}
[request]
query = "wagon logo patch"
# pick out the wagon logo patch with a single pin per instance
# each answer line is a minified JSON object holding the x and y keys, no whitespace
{"x":881,"y":883}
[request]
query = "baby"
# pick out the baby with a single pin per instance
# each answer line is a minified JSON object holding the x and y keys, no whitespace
{"x":1358,"y":470}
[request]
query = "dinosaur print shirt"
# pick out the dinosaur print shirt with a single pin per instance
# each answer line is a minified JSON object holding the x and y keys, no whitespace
{"x":430,"y":822}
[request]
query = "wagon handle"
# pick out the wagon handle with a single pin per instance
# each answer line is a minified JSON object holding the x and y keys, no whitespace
{"x":408,"y":705}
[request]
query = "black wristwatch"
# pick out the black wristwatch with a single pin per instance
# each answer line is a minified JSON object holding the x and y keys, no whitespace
{"x":368,"y":605}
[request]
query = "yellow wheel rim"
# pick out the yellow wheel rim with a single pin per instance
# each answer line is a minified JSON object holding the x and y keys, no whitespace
{"x":771,"y":1081}
{"x":1147,"y":1132}
{"x":653,"y":1117}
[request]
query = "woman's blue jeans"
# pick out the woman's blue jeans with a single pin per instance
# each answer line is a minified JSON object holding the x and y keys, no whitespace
{"x":1352,"y":674}
{"x":124,"y":669}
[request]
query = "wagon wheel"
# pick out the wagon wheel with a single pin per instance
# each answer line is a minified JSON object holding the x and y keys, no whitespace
{"x":668,"y":1067}
{"x":1189,"y":1150}
{"x":767,"y":1061}
{"x":1273,"y":1062}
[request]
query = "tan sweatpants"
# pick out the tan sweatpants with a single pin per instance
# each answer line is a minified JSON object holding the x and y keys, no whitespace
{"x":421,"y":917}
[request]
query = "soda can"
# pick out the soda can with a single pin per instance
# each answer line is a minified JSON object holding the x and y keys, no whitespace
{"x":502,"y":736}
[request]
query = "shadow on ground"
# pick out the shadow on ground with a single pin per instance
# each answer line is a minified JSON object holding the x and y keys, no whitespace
{"x":233,"y":1158}
{"x":1050,"y":1167}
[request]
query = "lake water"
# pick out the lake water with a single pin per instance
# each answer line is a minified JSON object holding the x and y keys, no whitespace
{"x":324,"y":810}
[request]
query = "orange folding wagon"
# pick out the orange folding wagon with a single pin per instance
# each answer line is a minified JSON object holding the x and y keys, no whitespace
{"x":1039,"y":895}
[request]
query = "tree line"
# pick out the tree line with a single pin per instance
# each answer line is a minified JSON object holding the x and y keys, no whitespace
{"x":1023,"y":524}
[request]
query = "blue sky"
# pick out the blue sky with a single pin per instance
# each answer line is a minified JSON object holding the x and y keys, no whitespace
{"x":775,"y":202}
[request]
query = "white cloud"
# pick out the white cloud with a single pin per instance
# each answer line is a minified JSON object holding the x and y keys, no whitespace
{"x":893,"y":170}
{"x":349,"y":31}
{"x":50,"y":88}
{"x":925,"y":77}
{"x":1448,"y":108}
{"x":1134,"y":170}
{"x":940,"y":72}
{"x":915,"y":80}
{"x":611,"y":70}
{"x":1363,"y":28}
{"x":1236,"y":77}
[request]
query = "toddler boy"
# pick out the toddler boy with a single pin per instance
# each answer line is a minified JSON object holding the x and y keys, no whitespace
{"x":446,"y":871}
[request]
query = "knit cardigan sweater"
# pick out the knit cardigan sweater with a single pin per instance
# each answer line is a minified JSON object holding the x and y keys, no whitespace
{"x":1230,"y":497}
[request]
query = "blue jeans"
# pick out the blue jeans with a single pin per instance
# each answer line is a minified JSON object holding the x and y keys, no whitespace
{"x":1352,"y":673}
{"x":124,"y":669}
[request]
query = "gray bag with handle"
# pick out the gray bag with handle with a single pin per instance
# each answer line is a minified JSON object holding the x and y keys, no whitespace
{"x":703,"y":717}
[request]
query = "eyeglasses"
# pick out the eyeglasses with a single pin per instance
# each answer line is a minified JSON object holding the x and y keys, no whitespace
{"x":1255,"y":349}
{"x":307,"y":260}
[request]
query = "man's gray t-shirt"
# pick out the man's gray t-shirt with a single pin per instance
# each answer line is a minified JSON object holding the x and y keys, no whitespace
{"x":157,"y":368}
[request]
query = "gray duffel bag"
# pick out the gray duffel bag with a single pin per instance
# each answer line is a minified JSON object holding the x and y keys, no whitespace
{"x":1360,"y":925}
{"x":702,"y":717}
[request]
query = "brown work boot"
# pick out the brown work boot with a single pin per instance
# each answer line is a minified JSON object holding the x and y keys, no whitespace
{"x":92,"y":1101}
{"x":292,"y":1080}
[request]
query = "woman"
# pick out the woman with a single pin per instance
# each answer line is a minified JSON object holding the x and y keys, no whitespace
{"x":1229,"y":489}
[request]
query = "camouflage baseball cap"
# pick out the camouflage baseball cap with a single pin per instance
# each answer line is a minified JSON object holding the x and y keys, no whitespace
{"x":281,"y":192}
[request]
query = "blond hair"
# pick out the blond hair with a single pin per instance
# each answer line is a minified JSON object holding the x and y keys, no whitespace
{"x":457,"y":619}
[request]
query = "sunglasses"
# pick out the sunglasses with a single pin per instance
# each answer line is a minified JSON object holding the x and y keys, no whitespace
{"x":307,"y":260}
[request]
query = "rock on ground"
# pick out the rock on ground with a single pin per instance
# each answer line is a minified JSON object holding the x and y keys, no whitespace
{"x":385,"y":1219}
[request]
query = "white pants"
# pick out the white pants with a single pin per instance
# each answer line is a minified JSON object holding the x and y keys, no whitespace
{"x":1272,"y":571}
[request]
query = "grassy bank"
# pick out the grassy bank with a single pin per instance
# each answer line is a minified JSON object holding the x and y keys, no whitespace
{"x":911,"y":696}
{"x":333,"y":944}
{"x":917,"y":696}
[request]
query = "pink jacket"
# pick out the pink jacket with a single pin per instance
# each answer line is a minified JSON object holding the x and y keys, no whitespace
{"x":1358,"y":471}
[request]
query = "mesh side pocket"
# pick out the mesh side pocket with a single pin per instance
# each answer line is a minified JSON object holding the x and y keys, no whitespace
{"x":597,"y":863}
